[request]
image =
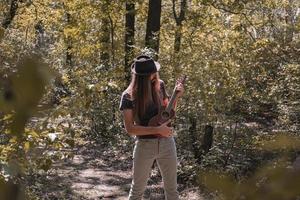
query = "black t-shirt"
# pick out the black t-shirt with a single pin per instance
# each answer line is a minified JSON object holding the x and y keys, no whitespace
{"x":127,"y":103}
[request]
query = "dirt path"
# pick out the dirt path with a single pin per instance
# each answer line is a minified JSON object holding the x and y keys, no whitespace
{"x":98,"y":172}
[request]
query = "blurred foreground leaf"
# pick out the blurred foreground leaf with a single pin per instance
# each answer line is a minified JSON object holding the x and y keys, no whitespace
{"x":276,"y":180}
{"x":282,"y":141}
{"x":28,"y":86}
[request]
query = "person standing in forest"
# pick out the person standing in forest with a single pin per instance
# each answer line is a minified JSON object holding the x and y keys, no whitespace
{"x":139,"y":103}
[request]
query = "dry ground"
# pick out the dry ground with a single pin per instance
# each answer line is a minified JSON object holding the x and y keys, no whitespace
{"x":99,"y":172}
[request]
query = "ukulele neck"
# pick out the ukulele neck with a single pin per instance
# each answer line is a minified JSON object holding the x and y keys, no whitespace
{"x":171,"y":102}
{"x":174,"y":96}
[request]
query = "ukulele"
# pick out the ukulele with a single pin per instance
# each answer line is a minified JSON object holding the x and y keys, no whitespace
{"x":166,"y":112}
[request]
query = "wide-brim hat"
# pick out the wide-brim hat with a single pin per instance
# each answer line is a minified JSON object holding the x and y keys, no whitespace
{"x":144,"y":65}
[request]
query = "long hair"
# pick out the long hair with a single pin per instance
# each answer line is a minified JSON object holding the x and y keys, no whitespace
{"x":144,"y":92}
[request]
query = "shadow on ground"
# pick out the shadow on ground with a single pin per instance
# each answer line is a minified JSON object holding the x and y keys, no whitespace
{"x":99,"y":172}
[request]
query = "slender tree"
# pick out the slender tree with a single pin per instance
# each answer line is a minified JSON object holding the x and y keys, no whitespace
{"x":105,"y":33}
{"x":207,"y":138}
{"x":153,"y":25}
{"x":129,"y":37}
{"x":290,"y":22}
{"x":179,"y":18}
{"x":68,"y":43}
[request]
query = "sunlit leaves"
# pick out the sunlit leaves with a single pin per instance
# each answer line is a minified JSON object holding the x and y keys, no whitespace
{"x":239,"y":63}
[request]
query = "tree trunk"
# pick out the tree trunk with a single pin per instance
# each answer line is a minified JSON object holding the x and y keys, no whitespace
{"x":177,"y":41}
{"x":194,"y":139}
{"x":69,"y":60}
{"x":290,"y":22}
{"x":11,"y":14}
{"x":179,"y":19}
{"x":129,"y":38}
{"x":153,"y":26}
{"x":105,"y":34}
{"x":112,"y":42}
{"x":178,"y":33}
{"x":207,"y":139}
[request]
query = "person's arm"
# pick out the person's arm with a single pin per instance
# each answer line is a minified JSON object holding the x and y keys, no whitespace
{"x":133,"y":129}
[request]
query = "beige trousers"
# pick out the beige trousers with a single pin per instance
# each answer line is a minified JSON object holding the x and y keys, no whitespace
{"x":144,"y":153}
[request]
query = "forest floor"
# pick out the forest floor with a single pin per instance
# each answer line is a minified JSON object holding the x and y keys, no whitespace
{"x":99,"y":171}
